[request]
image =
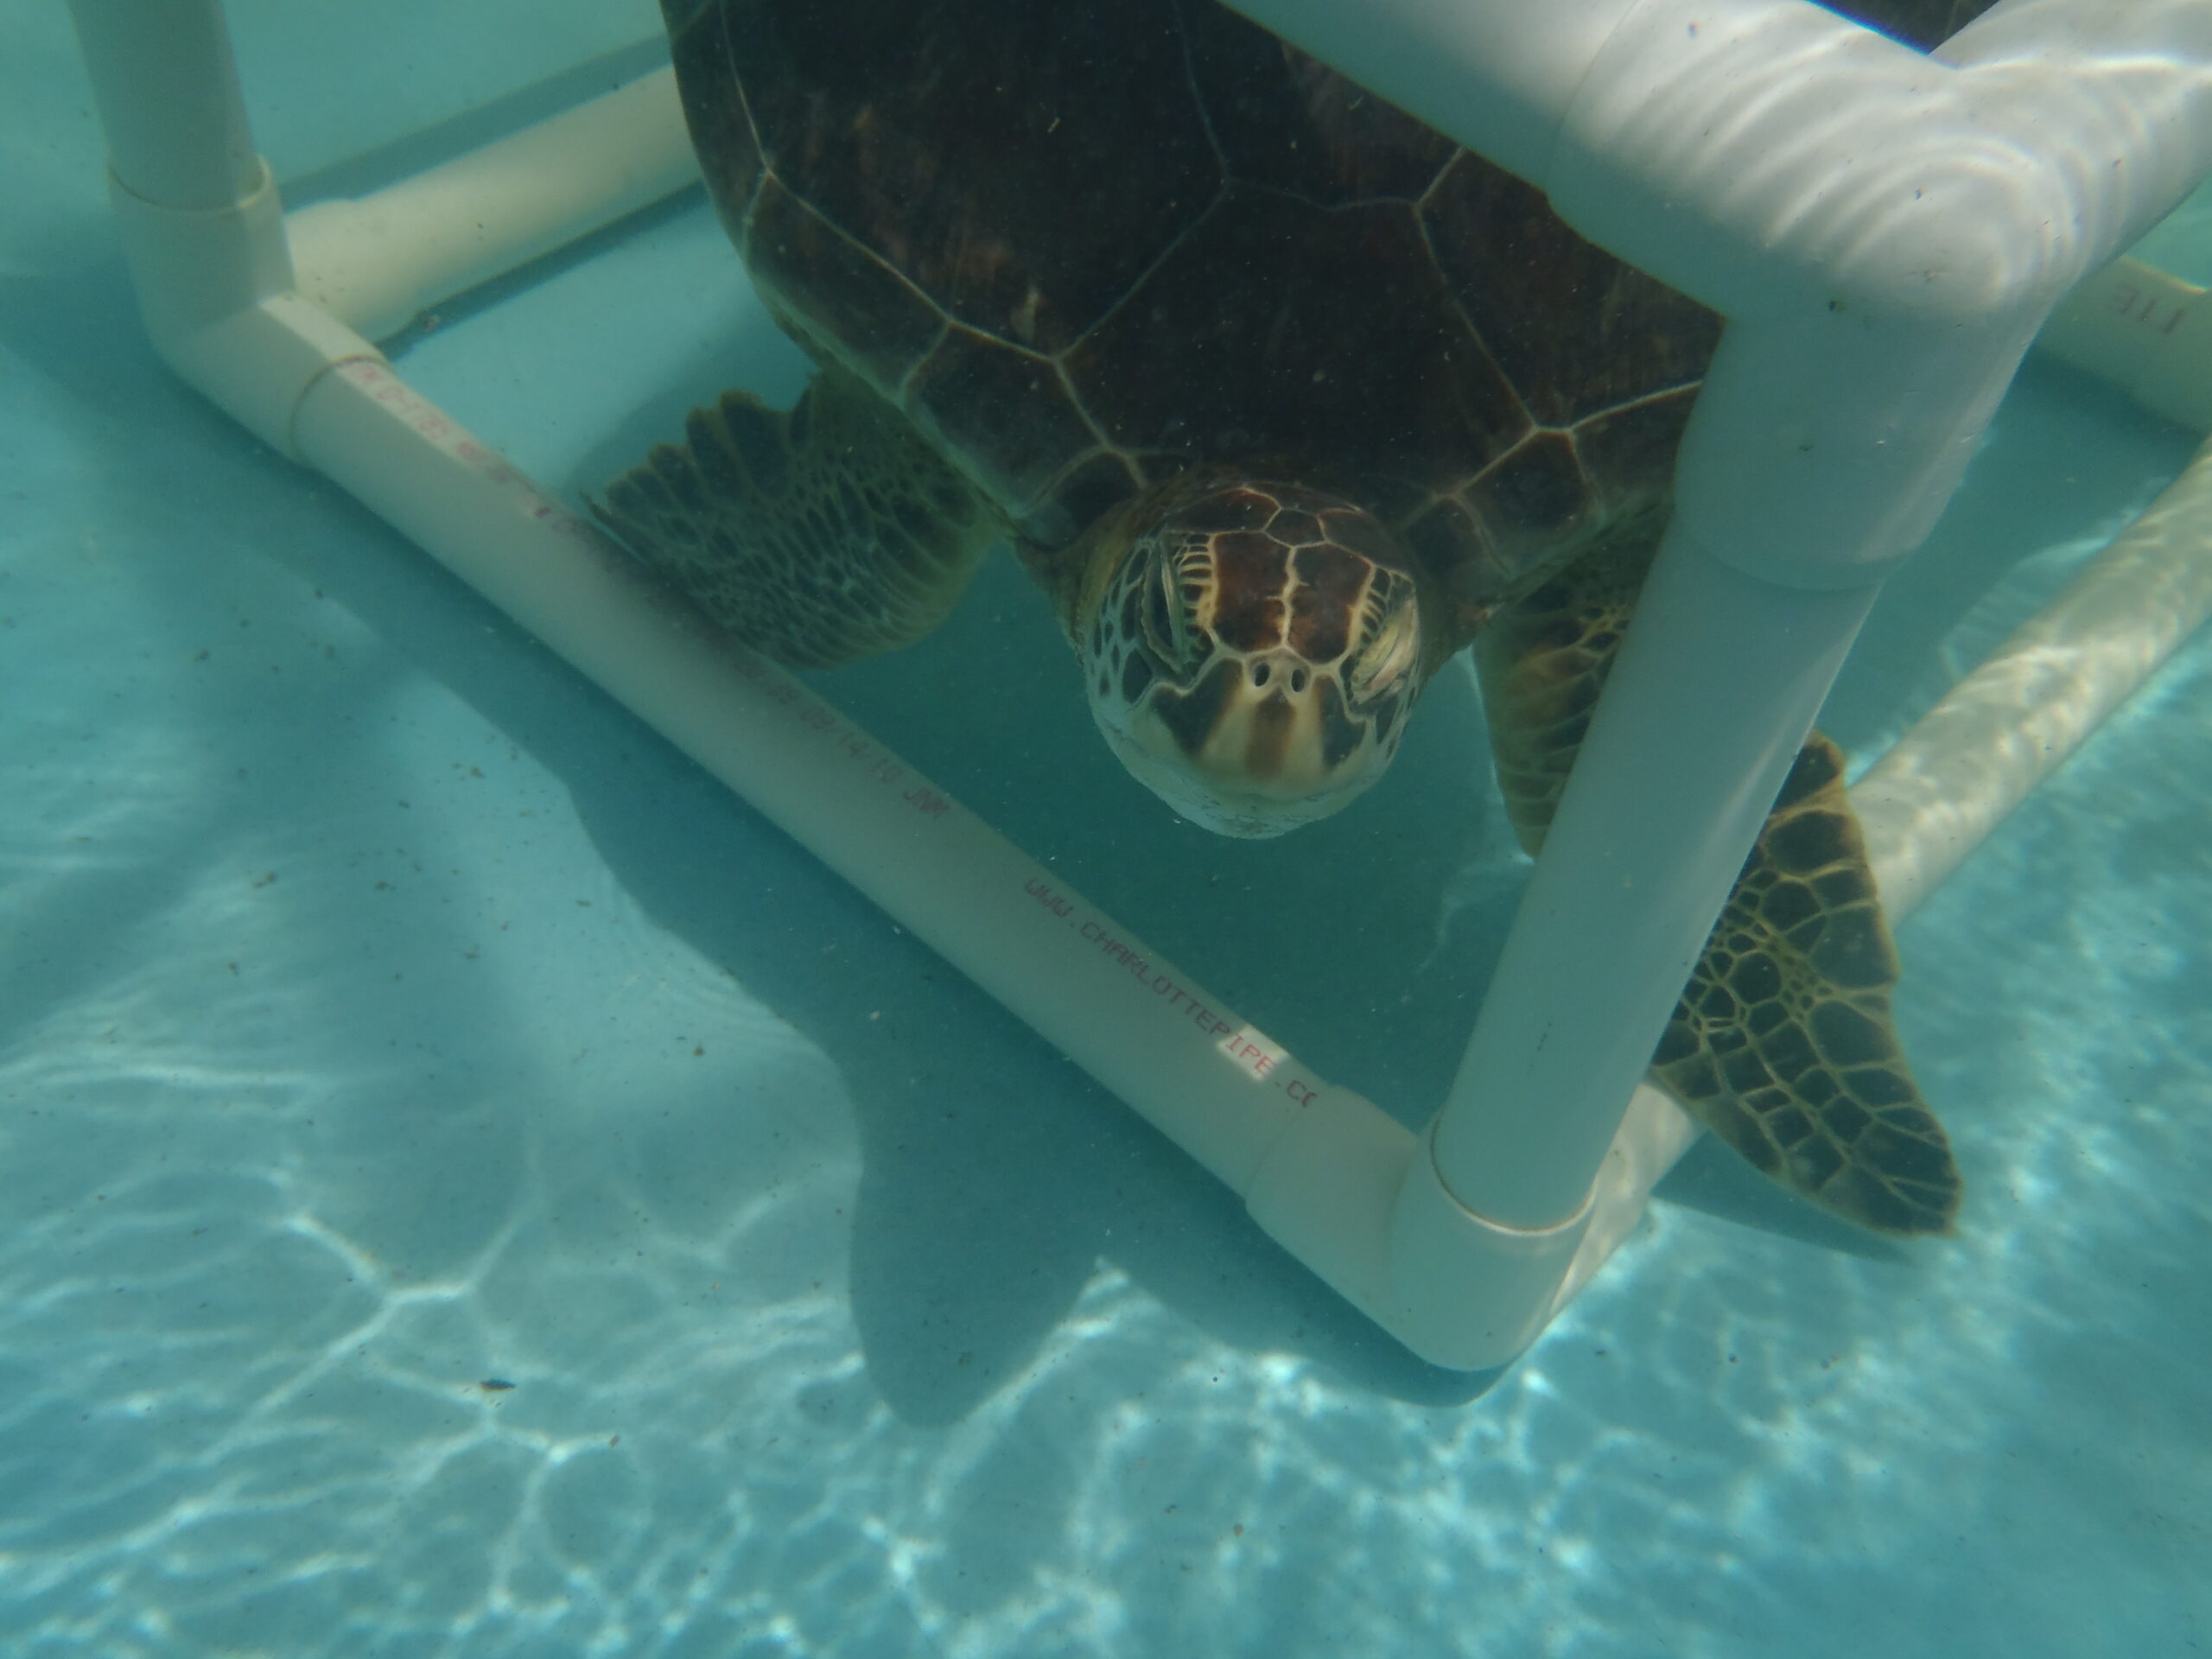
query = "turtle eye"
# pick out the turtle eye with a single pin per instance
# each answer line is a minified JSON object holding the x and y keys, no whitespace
{"x":1383,"y":665}
{"x":1166,"y":628}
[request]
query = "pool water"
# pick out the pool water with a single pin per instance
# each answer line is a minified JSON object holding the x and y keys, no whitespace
{"x":471,"y":1187}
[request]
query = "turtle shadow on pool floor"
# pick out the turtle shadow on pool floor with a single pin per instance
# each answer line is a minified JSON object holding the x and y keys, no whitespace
{"x":995,"y":1178}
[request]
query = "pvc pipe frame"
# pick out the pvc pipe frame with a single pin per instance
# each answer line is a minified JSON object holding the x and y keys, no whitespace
{"x":1342,"y":1185}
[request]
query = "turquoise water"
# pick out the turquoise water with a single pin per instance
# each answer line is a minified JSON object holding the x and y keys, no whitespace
{"x":383,"y":1013}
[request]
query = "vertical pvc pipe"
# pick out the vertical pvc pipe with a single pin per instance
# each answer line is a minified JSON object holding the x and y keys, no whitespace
{"x":166,"y":89}
{"x":1715,"y":688}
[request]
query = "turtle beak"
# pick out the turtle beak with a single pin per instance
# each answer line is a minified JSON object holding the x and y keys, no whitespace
{"x":1257,"y":677}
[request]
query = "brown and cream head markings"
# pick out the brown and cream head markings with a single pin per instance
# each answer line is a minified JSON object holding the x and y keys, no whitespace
{"x":1250,"y":649}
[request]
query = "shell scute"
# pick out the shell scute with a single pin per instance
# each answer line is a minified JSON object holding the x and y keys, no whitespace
{"x":987,"y":154}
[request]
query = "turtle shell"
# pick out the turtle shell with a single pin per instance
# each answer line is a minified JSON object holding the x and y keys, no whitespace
{"x":1086,"y":244}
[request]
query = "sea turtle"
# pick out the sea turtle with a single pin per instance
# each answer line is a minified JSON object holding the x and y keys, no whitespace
{"x":1283,"y":400}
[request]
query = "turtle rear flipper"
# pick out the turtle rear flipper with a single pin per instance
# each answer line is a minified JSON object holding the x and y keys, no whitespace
{"x":819,"y":536}
{"x":1782,"y":1044}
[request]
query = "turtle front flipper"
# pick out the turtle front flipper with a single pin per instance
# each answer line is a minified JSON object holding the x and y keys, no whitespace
{"x":1782,"y":1044}
{"x":819,"y":536}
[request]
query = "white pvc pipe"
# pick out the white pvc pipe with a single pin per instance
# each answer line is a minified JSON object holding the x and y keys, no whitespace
{"x":1896,"y":226}
{"x":1947,"y":784}
{"x":1540,"y":1090}
{"x":197,"y":212}
{"x":374,"y":263}
{"x":1999,"y":732}
{"x":166,"y":89}
{"x":2145,"y":330}
{"x":1755,"y":152}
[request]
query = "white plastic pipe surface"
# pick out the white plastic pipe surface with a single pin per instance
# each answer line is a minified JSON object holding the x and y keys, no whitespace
{"x":2145,"y":330}
{"x":1756,"y":153}
{"x":1935,"y":796}
{"x":1346,"y":1188}
{"x":166,"y":89}
{"x":377,"y":260}
{"x":1618,"y":909}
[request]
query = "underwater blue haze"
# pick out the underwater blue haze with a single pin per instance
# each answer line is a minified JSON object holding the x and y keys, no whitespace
{"x":386,"y":1018}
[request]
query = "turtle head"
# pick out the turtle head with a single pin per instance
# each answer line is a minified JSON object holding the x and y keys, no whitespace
{"x":1250,"y":649}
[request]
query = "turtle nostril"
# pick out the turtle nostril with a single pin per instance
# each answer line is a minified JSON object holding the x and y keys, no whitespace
{"x":1298,"y":679}
{"x":1259,"y":675}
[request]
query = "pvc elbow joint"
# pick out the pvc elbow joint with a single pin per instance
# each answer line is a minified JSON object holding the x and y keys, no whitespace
{"x":1884,"y":240}
{"x":1358,"y":1198}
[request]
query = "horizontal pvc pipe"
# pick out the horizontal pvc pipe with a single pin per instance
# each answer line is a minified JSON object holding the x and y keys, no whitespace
{"x":375,"y":262}
{"x":1730,"y":147}
{"x":1896,"y":226}
{"x":1999,"y":732}
{"x":1324,"y":1172}
{"x":2145,"y":331}
{"x":1768,"y":156}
